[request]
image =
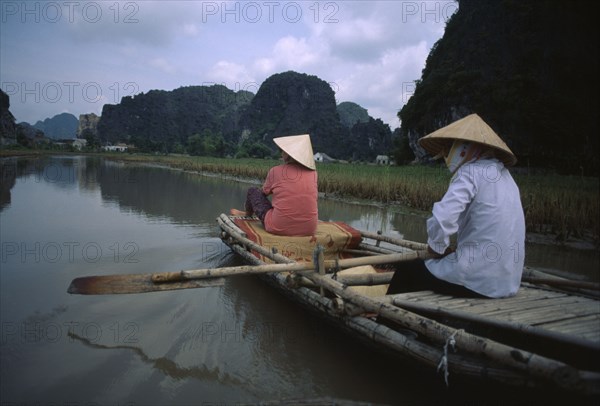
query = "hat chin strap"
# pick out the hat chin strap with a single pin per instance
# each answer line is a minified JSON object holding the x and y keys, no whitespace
{"x":441,"y":154}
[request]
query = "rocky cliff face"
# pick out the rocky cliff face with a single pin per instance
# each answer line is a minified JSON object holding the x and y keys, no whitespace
{"x":88,"y":124}
{"x":351,"y":113}
{"x":8,"y":128}
{"x":292,"y":103}
{"x":168,"y":118}
{"x":528,"y":68}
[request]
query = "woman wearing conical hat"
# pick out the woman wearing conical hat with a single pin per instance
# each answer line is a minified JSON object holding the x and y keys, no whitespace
{"x":293,"y":208}
{"x":481,"y":209}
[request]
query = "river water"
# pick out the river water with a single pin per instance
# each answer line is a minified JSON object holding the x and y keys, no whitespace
{"x":66,"y":216}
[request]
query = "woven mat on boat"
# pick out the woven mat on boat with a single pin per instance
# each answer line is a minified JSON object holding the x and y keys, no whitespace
{"x":333,"y":236}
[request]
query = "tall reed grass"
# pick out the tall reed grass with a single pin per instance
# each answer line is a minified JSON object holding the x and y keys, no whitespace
{"x":565,"y":206}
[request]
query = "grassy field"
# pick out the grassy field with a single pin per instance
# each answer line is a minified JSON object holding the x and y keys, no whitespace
{"x":565,"y":206}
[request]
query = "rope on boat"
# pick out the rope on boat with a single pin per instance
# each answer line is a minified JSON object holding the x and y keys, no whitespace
{"x":443,"y":365}
{"x":318,"y":250}
{"x":336,"y":269}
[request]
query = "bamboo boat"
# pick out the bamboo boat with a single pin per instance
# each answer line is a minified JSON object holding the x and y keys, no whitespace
{"x":548,"y":335}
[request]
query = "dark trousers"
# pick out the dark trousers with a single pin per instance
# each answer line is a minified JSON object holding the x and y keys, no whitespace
{"x":413,"y":276}
{"x":257,"y":203}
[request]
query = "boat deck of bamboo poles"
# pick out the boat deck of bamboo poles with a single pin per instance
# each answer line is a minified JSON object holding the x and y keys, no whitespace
{"x":539,"y":335}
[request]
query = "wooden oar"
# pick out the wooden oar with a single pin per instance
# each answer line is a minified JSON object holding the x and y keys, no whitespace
{"x":132,"y":283}
{"x":200,"y":278}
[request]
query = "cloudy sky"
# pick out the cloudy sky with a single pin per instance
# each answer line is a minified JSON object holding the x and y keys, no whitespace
{"x":76,"y":56}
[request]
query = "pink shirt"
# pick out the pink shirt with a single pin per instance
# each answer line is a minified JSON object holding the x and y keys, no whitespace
{"x":294,"y":201}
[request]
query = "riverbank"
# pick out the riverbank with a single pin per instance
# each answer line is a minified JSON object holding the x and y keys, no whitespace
{"x":558,"y":209}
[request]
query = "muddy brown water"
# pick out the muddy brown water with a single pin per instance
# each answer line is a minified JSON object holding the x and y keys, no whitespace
{"x":63,"y":217}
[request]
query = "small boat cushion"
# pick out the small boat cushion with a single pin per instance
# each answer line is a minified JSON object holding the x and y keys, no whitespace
{"x":334,"y":237}
{"x":370,"y":291}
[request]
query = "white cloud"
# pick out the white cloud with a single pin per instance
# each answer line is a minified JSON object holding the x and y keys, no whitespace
{"x":358,"y":40}
{"x":191,"y":30}
{"x":367,"y":30}
{"x":289,"y":53}
{"x":369,"y":51}
{"x":148,"y":23}
{"x":385,"y":85}
{"x":163,"y":65}
{"x":230,"y":74}
{"x":377,"y":50}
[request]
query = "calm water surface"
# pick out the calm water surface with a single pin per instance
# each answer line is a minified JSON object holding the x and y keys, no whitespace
{"x":65,"y":217}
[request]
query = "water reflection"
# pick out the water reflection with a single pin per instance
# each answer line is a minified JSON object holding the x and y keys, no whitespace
{"x":8,"y":177}
{"x":65,"y":173}
{"x":165,"y":365}
{"x":158,"y":192}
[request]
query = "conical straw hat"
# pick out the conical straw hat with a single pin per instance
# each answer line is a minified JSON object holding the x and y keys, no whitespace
{"x":299,"y":148}
{"x":470,"y":128}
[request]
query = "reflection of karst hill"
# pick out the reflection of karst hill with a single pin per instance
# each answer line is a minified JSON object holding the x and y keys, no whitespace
{"x":166,"y":365}
{"x":151,"y":191}
{"x":61,"y":173}
{"x":8,"y":177}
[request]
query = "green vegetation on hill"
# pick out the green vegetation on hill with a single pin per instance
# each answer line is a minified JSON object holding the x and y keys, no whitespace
{"x":216,"y":121}
{"x":529,"y":68}
{"x":165,"y":121}
{"x":291,"y":103}
{"x":351,"y":113}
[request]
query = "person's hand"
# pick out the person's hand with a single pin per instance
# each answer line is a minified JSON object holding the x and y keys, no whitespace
{"x":449,"y":250}
{"x":436,"y":255}
{"x":236,"y":212}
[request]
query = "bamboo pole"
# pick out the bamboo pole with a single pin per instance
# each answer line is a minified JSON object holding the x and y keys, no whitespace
{"x":396,"y":241}
{"x":251,"y":244}
{"x":566,"y":283}
{"x":528,"y":276}
{"x":512,"y":326}
{"x":319,"y":263}
{"x":558,"y":372}
{"x":370,"y":279}
{"x":225,"y":219}
{"x":166,"y":277}
{"x":377,"y":250}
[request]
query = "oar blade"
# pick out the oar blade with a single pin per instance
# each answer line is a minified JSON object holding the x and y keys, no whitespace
{"x":133,"y":283}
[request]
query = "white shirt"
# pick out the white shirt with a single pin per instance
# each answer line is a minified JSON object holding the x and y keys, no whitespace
{"x":482,"y":206}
